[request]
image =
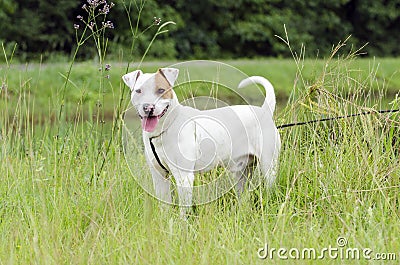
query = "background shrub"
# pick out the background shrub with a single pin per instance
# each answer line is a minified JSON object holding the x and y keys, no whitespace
{"x":209,"y":28}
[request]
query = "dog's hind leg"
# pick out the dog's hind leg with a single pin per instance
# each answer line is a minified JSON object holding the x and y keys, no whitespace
{"x":243,"y":175}
{"x":240,"y":182}
{"x":268,"y":156}
{"x":269,"y":166}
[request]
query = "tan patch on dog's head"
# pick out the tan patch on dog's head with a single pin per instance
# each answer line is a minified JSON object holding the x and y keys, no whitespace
{"x":162,"y":82}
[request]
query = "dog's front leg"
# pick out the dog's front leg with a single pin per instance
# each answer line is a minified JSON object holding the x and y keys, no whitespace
{"x":162,"y":185}
{"x":184,"y":182}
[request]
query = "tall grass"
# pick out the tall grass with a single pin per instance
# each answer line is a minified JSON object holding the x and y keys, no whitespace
{"x":339,"y":178}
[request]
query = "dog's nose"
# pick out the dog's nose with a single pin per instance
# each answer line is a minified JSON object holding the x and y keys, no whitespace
{"x":148,"y":108}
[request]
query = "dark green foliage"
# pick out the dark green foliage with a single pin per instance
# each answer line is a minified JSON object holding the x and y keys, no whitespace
{"x":377,"y":22}
{"x":39,"y":26}
{"x":210,"y":28}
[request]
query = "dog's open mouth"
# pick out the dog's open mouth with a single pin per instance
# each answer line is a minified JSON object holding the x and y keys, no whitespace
{"x":150,"y":122}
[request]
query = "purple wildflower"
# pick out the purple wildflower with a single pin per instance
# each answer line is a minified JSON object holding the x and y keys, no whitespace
{"x":157,"y":21}
{"x":108,"y":24}
{"x":91,"y":25}
{"x":93,"y":3}
{"x":106,"y":8}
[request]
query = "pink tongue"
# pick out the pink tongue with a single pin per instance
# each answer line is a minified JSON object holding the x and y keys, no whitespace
{"x":149,"y":123}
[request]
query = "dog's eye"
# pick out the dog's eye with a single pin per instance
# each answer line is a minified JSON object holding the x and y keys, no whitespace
{"x":138,"y":91}
{"x":160,"y":90}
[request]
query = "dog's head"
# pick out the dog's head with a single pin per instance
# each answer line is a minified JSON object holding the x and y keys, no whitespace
{"x":151,"y":94}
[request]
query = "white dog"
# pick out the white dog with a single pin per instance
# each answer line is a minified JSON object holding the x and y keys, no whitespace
{"x":184,"y":140}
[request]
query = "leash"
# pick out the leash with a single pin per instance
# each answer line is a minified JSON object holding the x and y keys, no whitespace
{"x":336,"y":118}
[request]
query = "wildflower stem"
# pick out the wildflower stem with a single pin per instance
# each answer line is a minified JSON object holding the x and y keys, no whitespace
{"x":159,"y":32}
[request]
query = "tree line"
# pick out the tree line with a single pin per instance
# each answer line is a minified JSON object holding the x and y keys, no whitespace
{"x":208,"y":28}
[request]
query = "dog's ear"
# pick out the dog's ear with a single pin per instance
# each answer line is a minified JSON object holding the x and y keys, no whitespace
{"x":171,"y":74}
{"x":131,"y":78}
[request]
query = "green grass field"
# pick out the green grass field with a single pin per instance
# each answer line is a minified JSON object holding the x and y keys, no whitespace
{"x":68,"y":196}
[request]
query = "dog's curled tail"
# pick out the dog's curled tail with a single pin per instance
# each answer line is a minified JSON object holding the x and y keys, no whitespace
{"x":270,"y":100}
